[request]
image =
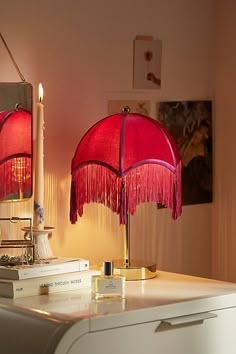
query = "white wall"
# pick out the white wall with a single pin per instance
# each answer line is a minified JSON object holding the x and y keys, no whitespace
{"x":82,"y":52}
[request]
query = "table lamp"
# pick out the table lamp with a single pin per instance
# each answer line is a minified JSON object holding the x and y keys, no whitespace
{"x":122,"y":161}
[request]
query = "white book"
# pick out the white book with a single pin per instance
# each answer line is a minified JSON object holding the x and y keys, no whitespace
{"x":46,"y":285}
{"x":57,"y":265}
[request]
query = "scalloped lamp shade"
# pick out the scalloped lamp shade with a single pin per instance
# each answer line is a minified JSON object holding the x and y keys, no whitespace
{"x":124,"y":160}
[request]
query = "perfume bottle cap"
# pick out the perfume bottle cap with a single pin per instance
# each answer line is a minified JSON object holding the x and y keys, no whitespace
{"x":108,"y":267}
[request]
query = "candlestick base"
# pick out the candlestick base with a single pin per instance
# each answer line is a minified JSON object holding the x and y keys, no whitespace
{"x":41,"y":242}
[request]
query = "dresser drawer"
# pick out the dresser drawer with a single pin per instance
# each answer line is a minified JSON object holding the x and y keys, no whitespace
{"x":206,"y":333}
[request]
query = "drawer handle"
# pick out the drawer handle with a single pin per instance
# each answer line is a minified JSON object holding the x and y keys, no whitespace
{"x":188,"y":319}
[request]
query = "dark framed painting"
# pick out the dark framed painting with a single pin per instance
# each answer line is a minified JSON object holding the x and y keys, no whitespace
{"x":190,"y":124}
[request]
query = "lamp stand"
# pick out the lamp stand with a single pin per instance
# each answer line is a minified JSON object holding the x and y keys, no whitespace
{"x":135,"y":270}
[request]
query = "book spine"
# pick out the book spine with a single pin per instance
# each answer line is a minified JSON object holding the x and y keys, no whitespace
{"x":46,"y":285}
{"x":51,"y":269}
{"x":44,"y":270}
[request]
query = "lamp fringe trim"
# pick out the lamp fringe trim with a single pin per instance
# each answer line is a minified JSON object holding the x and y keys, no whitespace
{"x":15,"y":177}
{"x":144,"y":184}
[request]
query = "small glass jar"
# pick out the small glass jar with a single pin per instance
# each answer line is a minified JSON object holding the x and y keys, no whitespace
{"x":108,"y":285}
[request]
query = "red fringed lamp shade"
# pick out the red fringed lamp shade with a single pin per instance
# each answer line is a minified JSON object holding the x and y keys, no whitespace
{"x":122,"y":161}
{"x":15,"y":153}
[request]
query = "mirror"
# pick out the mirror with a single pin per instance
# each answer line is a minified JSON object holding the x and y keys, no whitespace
{"x":16,"y":141}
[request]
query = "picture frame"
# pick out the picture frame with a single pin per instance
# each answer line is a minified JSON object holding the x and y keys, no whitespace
{"x":135,"y":105}
{"x":147,"y":63}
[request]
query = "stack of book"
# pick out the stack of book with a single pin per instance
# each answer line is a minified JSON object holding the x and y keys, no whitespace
{"x":52,"y":276}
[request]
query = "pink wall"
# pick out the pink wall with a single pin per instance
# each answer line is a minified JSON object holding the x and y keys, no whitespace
{"x":82,"y":53}
{"x":224,"y":210}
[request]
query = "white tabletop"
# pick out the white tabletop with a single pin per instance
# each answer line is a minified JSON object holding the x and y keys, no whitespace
{"x":59,"y":319}
{"x":165,"y":289}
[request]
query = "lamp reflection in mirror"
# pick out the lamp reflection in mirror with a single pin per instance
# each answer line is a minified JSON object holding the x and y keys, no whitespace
{"x":124,"y":160}
{"x":15,"y":154}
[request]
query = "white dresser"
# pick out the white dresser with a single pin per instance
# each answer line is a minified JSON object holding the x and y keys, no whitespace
{"x":170,"y":314}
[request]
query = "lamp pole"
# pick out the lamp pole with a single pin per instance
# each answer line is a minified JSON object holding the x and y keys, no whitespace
{"x":127,"y":241}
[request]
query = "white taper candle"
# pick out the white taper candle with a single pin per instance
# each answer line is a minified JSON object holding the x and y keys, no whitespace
{"x":39,"y":166}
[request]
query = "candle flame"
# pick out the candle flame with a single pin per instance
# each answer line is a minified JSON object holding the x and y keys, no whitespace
{"x":40,"y":92}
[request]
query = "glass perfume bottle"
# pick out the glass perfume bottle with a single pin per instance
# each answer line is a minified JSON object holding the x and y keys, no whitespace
{"x":108,"y":285}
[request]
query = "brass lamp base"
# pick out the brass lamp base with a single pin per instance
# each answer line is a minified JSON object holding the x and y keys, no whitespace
{"x":137,"y":270}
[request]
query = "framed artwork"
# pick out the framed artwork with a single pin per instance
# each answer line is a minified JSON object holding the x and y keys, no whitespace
{"x":135,"y":106}
{"x":147,"y":64}
{"x":190,"y":124}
